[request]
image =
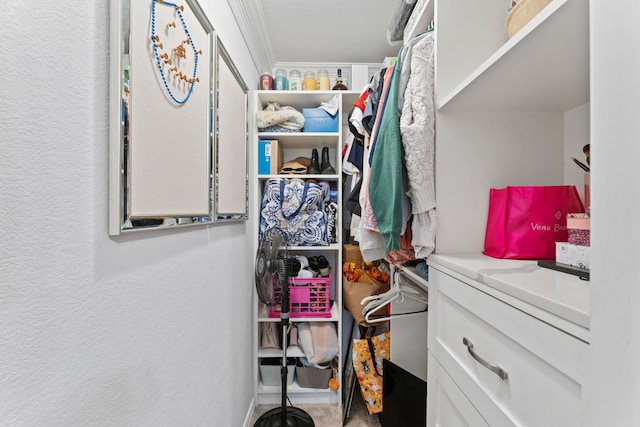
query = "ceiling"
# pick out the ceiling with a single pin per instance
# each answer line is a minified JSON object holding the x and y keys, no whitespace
{"x":326,"y":31}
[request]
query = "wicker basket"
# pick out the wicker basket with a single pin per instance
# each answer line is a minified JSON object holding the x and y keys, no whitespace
{"x":523,"y":12}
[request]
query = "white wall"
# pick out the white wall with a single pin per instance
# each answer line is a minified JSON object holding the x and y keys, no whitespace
{"x":147,"y":329}
{"x":576,"y":136}
{"x":612,"y":392}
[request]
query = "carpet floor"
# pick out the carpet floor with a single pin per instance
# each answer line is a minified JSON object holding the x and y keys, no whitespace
{"x":331,"y":415}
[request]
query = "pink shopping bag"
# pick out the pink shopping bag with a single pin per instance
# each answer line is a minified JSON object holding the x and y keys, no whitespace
{"x":525,"y":222}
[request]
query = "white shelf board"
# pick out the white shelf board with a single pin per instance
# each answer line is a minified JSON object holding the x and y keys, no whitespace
{"x":419,"y":20}
{"x":263,"y":315}
{"x":301,"y":140}
{"x":543,"y":67}
{"x":292,"y":351}
{"x":304,"y":176}
{"x":299,"y":99}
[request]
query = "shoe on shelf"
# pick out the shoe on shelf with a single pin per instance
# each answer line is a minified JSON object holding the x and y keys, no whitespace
{"x":325,"y":166}
{"x":313,"y":265}
{"x":314,"y":168}
{"x":323,"y":266}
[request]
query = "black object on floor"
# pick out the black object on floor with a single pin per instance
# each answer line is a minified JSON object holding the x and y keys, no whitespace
{"x":404,"y":397}
{"x":295,"y":418}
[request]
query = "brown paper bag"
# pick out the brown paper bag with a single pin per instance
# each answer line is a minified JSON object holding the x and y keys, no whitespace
{"x":354,"y":292}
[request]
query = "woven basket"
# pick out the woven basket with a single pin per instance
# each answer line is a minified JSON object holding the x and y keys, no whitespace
{"x":523,"y":12}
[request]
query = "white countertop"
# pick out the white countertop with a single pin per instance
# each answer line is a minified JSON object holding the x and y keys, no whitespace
{"x":560,"y":294}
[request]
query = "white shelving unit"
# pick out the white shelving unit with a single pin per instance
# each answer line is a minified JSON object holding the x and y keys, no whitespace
{"x":508,"y":112}
{"x":295,"y":145}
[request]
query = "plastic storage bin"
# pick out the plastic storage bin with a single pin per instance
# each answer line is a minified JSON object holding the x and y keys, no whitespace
{"x":318,"y":120}
{"x":307,"y":298}
{"x":270,"y":371}
{"x":309,"y":377}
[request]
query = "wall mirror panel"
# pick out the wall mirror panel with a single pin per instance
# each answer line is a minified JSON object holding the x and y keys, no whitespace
{"x":232,"y":179}
{"x":162,"y":120}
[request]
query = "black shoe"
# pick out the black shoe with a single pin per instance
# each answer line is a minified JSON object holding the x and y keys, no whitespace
{"x":314,"y":168}
{"x":325,"y":166}
{"x":313,"y":265}
{"x":323,"y":266}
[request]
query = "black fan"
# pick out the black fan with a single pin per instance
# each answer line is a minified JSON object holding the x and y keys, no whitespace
{"x":274,"y":267}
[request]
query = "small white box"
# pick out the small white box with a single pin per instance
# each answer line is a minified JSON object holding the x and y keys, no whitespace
{"x":574,"y":255}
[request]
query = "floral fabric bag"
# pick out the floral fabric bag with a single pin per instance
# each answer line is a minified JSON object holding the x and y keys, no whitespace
{"x":297,"y":208}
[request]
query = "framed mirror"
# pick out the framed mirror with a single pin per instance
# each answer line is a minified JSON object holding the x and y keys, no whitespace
{"x":162,"y":121}
{"x":231,"y":166}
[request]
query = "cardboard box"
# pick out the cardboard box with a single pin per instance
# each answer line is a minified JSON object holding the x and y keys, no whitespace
{"x":269,"y":157}
{"x":351,"y":253}
{"x":575,"y":255}
{"x":318,"y":120}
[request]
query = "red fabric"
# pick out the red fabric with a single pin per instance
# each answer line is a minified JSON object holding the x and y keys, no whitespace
{"x":360,"y":102}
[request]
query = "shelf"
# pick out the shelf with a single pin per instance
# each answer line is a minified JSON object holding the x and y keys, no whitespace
{"x":301,"y":140}
{"x":263,"y":315}
{"x":420,"y":18}
{"x":293,"y":145}
{"x":330,"y":247}
{"x":302,"y":176}
{"x":299,"y":99}
{"x":292,"y":351}
{"x":293,"y":388}
{"x":544,"y":67}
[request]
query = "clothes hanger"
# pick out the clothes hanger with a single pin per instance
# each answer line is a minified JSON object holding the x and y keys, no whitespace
{"x":395,"y":293}
{"x":368,"y":318}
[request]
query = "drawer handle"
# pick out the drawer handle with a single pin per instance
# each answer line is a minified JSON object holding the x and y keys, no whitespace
{"x":493,"y":368}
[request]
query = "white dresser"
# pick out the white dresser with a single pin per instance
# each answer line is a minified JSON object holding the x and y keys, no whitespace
{"x":508,"y":343}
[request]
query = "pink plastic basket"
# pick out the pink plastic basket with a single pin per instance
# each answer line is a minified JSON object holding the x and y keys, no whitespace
{"x":307,"y":298}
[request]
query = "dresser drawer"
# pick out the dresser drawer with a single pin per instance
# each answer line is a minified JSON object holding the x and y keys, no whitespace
{"x":447,"y":406}
{"x":522,"y":371}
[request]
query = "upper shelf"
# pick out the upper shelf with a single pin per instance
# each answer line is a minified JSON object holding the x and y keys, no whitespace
{"x":543,"y":67}
{"x":299,"y":99}
{"x":420,"y":19}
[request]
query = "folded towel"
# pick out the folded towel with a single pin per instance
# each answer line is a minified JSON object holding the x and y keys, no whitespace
{"x":286,"y":117}
{"x":331,"y":106}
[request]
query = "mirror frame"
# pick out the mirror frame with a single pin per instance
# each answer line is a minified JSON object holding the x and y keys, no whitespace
{"x":236,"y":185}
{"x":120,"y":220}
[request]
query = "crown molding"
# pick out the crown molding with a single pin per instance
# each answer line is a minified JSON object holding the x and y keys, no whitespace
{"x":250,"y":18}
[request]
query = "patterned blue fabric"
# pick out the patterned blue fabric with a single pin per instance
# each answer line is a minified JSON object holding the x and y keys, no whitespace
{"x":297,"y":208}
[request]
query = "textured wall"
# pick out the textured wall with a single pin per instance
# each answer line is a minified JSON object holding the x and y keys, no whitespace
{"x":146,"y":329}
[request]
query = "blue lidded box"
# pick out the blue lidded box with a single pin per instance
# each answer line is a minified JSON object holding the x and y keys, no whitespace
{"x":264,"y":157}
{"x":269,"y":157}
{"x":318,"y":120}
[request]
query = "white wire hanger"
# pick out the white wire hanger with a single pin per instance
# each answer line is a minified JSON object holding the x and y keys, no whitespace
{"x":399,"y":289}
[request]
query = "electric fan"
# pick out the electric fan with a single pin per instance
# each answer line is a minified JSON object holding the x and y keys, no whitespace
{"x":274,"y":267}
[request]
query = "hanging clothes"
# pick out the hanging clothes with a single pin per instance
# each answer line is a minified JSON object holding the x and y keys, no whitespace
{"x":385,"y":183}
{"x":417,"y":127}
{"x":371,"y":241}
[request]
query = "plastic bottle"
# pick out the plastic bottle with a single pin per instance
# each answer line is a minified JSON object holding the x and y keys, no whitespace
{"x":295,"y":80}
{"x":309,"y":82}
{"x":323,"y":80}
{"x":280,"y":82}
{"x":266,"y":80}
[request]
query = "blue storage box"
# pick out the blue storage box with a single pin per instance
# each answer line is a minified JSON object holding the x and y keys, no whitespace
{"x":318,"y":120}
{"x":269,"y":157}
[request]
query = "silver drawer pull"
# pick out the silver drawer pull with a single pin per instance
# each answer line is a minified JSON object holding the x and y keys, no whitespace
{"x":493,"y":368}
